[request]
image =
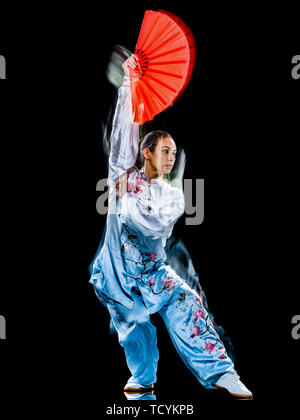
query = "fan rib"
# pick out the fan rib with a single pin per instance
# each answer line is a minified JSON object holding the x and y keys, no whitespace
{"x":143,"y":46}
{"x":165,"y":31}
{"x":165,"y":42}
{"x":147,"y":102}
{"x":168,"y":52}
{"x":164,"y":72}
{"x":161,"y":63}
{"x":161,"y":83}
{"x":154,"y":92}
{"x":144,"y":23}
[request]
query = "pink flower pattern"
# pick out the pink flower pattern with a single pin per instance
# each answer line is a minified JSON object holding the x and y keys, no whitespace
{"x":151,"y":281}
{"x":169,"y":283}
{"x":151,"y":255}
{"x":209,"y":346}
{"x":198,"y":313}
{"x":135,"y":188}
{"x":202,"y":326}
{"x":199,"y":299}
{"x":196,"y":331}
{"x":140,"y":181}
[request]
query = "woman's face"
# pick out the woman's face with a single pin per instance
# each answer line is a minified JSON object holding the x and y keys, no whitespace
{"x":163,"y":158}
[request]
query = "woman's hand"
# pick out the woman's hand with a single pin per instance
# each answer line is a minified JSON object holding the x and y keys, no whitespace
{"x":121,"y":185}
{"x":129,"y":63}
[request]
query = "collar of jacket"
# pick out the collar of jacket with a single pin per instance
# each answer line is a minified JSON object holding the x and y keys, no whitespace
{"x":145,"y":177}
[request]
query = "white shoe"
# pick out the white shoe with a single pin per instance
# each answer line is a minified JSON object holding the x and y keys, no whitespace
{"x":231,"y":382}
{"x":134,"y":386}
{"x":147,"y":395}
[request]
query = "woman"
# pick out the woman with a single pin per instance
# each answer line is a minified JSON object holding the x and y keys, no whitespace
{"x":130,"y":274}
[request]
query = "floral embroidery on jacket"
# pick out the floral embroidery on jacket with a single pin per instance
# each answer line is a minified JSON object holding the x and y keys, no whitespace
{"x":195,"y":331}
{"x":151,"y":255}
{"x":209,"y":346}
{"x":166,"y":284}
{"x":198,"y":313}
{"x":151,"y":281}
{"x":136,"y":186}
{"x":169,"y":283}
{"x":131,"y":187}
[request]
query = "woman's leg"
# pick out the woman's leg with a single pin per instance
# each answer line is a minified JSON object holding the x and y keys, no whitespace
{"x":137,"y":335}
{"x":194,"y":336}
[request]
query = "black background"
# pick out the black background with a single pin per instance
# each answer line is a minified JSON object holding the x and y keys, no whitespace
{"x":237,"y":121}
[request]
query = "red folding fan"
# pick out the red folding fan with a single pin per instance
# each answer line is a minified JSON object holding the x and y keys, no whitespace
{"x":167,"y":53}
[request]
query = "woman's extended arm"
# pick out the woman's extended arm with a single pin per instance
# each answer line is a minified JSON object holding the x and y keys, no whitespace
{"x":125,"y":132}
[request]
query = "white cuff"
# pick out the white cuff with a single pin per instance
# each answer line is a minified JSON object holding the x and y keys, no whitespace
{"x":126,"y":81}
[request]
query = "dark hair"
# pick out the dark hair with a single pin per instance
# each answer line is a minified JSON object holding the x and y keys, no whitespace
{"x":149,"y":142}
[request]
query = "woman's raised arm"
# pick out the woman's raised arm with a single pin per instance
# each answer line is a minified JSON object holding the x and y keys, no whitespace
{"x":125,"y":132}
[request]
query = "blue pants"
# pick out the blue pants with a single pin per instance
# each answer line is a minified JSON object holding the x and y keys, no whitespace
{"x":190,"y":329}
